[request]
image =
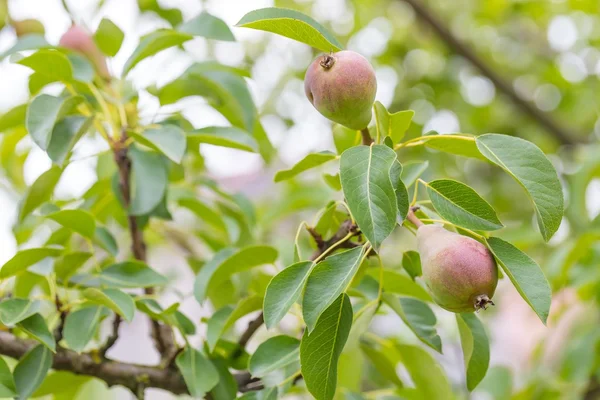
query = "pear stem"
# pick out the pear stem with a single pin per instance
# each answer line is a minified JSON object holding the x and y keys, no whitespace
{"x":366,"y":137}
{"x":413,"y":218}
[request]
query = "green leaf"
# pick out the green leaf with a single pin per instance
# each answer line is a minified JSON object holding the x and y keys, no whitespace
{"x":79,"y":221}
{"x":66,"y":265}
{"x":333,"y":181}
{"x":13,"y":118}
{"x":402,"y":200}
{"x":81,"y":325}
{"x":320,"y":350}
{"x":418,"y":317}
{"x":428,"y":376}
{"x":205,"y":213}
{"x":476,"y":348}
{"x":40,"y":191}
{"x":459,"y":145}
{"x":150,"y":181}
{"x":36,"y":327}
{"x":308,"y":162}
{"x":118,"y":301}
{"x":51,"y":63}
{"x":44,"y":112}
{"x":83,"y":70}
{"x":7,"y":382}
{"x":284,"y":290}
{"x":25,"y":259}
{"x":106,"y":240}
{"x":168,"y":139}
{"x":273,"y":354}
{"x":65,"y":135}
{"x":109,"y":37}
{"x":330,"y":278}
{"x":27,"y":42}
{"x":228,"y":262}
{"x":525,"y":162}
{"x":382,"y":363}
{"x":291,"y":24}
{"x":199,"y":373}
{"x":525,"y":274}
{"x":411,"y":262}
{"x":393,"y":125}
{"x":365,"y":175}
{"x":412,"y":170}
{"x":31,"y":370}
{"x":232,"y":137}
{"x":227,"y":316}
{"x":208,"y":26}
{"x":15,"y":310}
{"x":131,"y":274}
{"x":153,"y":43}
{"x":345,"y":138}
{"x":395,"y":282}
{"x":461,"y":205}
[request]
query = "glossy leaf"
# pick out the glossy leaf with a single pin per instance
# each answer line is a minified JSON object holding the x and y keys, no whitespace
{"x":131,"y":274}
{"x":291,"y":24}
{"x":365,"y":175}
{"x":225,"y":318}
{"x":228,"y":262}
{"x":475,"y":346}
{"x":330,"y":278}
{"x":528,"y":165}
{"x":153,"y":43}
{"x":402,"y":200}
{"x":308,"y":162}
{"x":79,"y":221}
{"x":208,"y":26}
{"x":199,"y":373}
{"x":51,"y":63}
{"x":273,"y":354}
{"x":66,"y":265}
{"x":25,"y":259}
{"x":207,"y":214}
{"x":411,"y":171}
{"x":44,"y":112}
{"x":118,"y":301}
{"x":40,"y":191}
{"x":461,"y":205}
{"x":64,"y":137}
{"x":149,"y":181}
{"x":81,"y":326}
{"x":458,"y":144}
{"x":320,"y":350}
{"x":392,"y":125}
{"x":231,"y":137}
{"x":27,"y":42}
{"x":525,"y":274}
{"x":397,"y":283}
{"x":411,"y":262}
{"x":382,"y":362}
{"x":168,"y":139}
{"x":15,"y":310}
{"x":7,"y":382}
{"x":106,"y":240}
{"x":13,"y":118}
{"x":35,"y":326}
{"x":418,"y":317}
{"x":31,"y":370}
{"x":109,"y":37}
{"x":345,"y":138}
{"x":284,"y":290}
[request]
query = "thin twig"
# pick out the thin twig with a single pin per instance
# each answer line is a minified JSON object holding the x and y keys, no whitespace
{"x":58,"y":332}
{"x":112,"y":339}
{"x":559,"y":132}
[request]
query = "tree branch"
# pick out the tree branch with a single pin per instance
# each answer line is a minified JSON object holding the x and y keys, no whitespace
{"x":162,"y":334}
{"x":559,"y":132}
{"x":112,"y":339}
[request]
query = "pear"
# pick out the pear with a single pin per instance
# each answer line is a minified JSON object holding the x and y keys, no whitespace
{"x":27,"y":27}
{"x":460,"y":272}
{"x":79,"y":40}
{"x":342,"y":87}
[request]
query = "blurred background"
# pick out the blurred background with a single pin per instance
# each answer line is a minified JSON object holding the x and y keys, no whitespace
{"x":520,"y":67}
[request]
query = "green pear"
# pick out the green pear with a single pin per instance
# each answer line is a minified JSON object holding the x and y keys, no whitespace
{"x":27,"y":27}
{"x":342,"y":87}
{"x":79,"y":40}
{"x":460,"y":272}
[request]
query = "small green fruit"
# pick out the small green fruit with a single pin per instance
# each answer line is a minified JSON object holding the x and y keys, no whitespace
{"x":79,"y":40}
{"x":342,"y":87}
{"x":460,"y":272}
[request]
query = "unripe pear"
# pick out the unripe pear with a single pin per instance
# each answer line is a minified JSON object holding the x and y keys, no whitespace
{"x":79,"y":40}
{"x":342,"y":87}
{"x":460,"y":272}
{"x":28,"y":27}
